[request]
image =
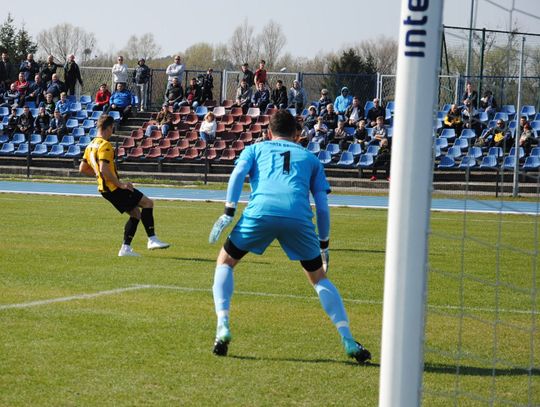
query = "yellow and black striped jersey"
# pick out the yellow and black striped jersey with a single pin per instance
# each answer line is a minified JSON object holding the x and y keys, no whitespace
{"x":101,"y":150}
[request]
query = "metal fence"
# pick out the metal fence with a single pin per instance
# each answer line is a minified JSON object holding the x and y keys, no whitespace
{"x":231,"y":81}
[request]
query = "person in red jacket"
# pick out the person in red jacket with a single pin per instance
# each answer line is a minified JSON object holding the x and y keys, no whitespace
{"x":260,"y":74}
{"x":103,"y":96}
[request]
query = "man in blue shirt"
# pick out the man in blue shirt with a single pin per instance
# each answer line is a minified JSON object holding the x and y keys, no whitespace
{"x":282,"y":174}
{"x":121,"y":101}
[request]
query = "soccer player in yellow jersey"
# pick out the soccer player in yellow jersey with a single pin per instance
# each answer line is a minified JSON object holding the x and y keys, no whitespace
{"x":98,"y":161}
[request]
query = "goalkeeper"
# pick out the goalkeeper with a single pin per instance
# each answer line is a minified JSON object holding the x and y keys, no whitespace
{"x":282,"y":175}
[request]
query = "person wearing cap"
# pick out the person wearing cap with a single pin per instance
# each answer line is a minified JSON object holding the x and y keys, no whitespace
{"x":162,"y":122}
{"x":376,"y":111}
{"x":297,"y":97}
{"x":141,"y":77}
{"x":324,"y":101}
{"x":119,"y":72}
{"x":343,"y":101}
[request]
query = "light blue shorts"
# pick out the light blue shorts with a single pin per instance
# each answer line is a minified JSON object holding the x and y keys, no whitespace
{"x":297,"y":237}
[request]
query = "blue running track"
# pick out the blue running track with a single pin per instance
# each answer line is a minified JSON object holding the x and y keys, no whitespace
{"x":355,"y":201}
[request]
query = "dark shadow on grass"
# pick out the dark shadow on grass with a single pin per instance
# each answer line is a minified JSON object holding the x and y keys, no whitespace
{"x":333,"y":249}
{"x":478,"y":371}
{"x":201,"y":260}
{"x":299,"y":360}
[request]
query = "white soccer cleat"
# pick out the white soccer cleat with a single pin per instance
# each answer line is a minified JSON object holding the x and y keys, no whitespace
{"x":154,"y":243}
{"x":127,"y":251}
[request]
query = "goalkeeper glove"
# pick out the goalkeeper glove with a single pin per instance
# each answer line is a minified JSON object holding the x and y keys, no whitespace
{"x":222,"y":222}
{"x":325,"y":254}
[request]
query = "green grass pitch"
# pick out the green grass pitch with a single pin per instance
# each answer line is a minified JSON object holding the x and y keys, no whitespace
{"x":151,"y":344}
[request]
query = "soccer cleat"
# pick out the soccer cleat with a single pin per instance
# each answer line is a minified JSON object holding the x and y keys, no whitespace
{"x":223,"y":338}
{"x":127,"y":251}
{"x":155,"y":243}
{"x":356,"y":350}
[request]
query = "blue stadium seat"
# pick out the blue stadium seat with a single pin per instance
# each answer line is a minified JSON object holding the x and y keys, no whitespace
{"x":537,"y":117}
{"x":535,"y":152}
{"x":31,"y":104}
{"x":4,"y":138}
{"x":4,"y":111}
{"x":468,"y":134}
{"x":370,"y":132}
{"x":314,"y":147}
{"x":510,"y":110}
{"x":528,"y":111}
{"x":461,"y":143}
{"x":367,"y":106}
{"x":372,"y":150}
{"x":512,"y":125}
{"x":71,"y":98}
{"x":85,"y":99}
{"x":521,"y":152}
{"x":389,"y":132}
{"x":67,"y":141}
{"x":483,"y":117}
{"x":56,"y":151}
{"x":391,"y":105}
{"x":7,"y":149}
{"x":114,"y":114}
{"x":88,"y":124}
{"x":135,"y":100}
{"x":75,"y":107}
{"x":497,"y":152}
{"x":346,"y":159}
{"x":447,"y":162}
{"x":501,"y":116}
{"x":22,"y":150}
{"x":96,"y":115}
{"x":535,"y":125}
{"x":448,"y":133}
{"x":83,"y":142}
{"x":332,"y":148}
{"x":77,"y":132}
{"x":355,"y":149}
{"x":19,"y":111}
{"x":51,"y":140}
{"x":532,"y":163}
{"x":80,"y":115}
{"x":35,"y":139}
{"x":349,"y":131}
{"x":92,"y":132}
{"x":18,"y":138}
{"x":441,"y":115}
{"x":39,"y":150}
{"x":365,"y":161}
{"x":475,"y":152}
{"x":72,"y":123}
{"x":491,"y":124}
{"x":467,"y":162}
{"x":489,"y":162}
{"x":325,"y":157}
{"x":34,"y":112}
{"x":73,"y":152}
{"x":201,"y":111}
{"x":509,"y":162}
{"x":454,"y":152}
{"x":446,"y":107}
{"x":438,"y":152}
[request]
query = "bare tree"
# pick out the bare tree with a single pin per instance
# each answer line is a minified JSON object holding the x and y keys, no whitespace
{"x":199,"y":56}
{"x":383,"y":51}
{"x":144,"y":47}
{"x":64,"y":39}
{"x":243,"y":46}
{"x":272,"y":40}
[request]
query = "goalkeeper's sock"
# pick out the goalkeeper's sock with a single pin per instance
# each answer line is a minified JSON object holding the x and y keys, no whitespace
{"x":130,"y":229}
{"x":147,"y":219}
{"x":223,"y":291}
{"x":333,"y":306}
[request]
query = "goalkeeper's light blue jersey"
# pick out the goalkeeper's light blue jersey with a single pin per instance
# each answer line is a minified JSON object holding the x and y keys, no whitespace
{"x":282,"y":174}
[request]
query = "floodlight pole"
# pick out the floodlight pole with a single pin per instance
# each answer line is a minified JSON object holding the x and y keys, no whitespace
{"x":515,"y":188}
{"x":409,"y":204}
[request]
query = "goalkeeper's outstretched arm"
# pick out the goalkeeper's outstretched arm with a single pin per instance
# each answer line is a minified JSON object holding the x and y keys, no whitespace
{"x":323,"y":225}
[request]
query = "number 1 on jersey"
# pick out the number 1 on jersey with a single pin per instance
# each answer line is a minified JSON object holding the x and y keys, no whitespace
{"x":286,"y":162}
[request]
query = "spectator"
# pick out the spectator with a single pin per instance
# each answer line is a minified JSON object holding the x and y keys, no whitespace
{"x":48,"y":104}
{"x":361,"y":135}
{"x":243,"y":96}
{"x":48,"y":69}
{"x":55,"y":86}
{"x":29,"y":68}
{"x":102,"y":100}
{"x":488,"y":104}
{"x":36,"y":90}
{"x":72,"y":74}
{"x":522,"y":121}
{"x":309,"y":124}
{"x":63,"y":105}
{"x":141,"y":77}
{"x":261,"y":97}
{"x":330,"y":120}
{"x":376,"y":111}
{"x":12,"y":121}
{"x":175,"y":70}
{"x":324,"y":101}
{"x":379,"y":132}
{"x":470,"y":94}
{"x":119,"y":72}
{"x":174,"y":94}
{"x":11,"y":70}
{"x":163,"y":121}
{"x":297,"y":97}
{"x":121,"y":101}
{"x":453,"y":119}
{"x":208,"y":128}
{"x":260,"y":74}
{"x":354,"y":113}
{"x":25,"y":122}
{"x":494,"y":137}
{"x":193,"y":94}
{"x":3,"y":77}
{"x":470,"y":118}
{"x":301,"y":137}
{"x":11,"y":97}
{"x":247,"y":75}
{"x":42,"y":122}
{"x":57,"y":125}
{"x":207,"y":84}
{"x":341,"y":136}
{"x":320,"y":132}
{"x":22,"y":86}
{"x":343,"y":101}
{"x":527,"y":138}
{"x":279,"y":95}
{"x":382,"y":161}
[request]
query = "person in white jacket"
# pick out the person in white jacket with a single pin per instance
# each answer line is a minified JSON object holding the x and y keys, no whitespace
{"x":119,"y":72}
{"x":208,"y":128}
{"x":175,"y":70}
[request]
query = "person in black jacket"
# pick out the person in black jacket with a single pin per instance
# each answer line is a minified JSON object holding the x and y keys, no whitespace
{"x":11,"y":70}
{"x":207,"y":84}
{"x":279,"y":95}
{"x":72,"y":74}
{"x":376,"y":111}
{"x":42,"y":122}
{"x":382,"y":161}
{"x":141,"y":77}
{"x":247,"y":75}
{"x":48,"y":69}
{"x":29,"y":68}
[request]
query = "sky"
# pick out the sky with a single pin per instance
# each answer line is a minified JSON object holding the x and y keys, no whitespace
{"x":311,"y":27}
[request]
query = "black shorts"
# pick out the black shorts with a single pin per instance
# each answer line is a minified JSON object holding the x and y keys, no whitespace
{"x":123,"y":199}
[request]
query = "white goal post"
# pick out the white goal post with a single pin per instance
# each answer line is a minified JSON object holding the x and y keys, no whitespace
{"x":409,"y":203}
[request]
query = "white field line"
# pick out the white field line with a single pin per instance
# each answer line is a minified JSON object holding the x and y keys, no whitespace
{"x":248,"y":293}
